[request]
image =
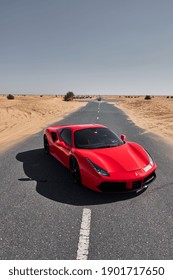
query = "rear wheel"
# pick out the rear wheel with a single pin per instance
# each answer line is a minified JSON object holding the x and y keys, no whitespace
{"x":46,"y":146}
{"x":75,"y":171}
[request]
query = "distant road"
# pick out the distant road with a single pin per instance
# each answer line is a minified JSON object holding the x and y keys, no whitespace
{"x":41,"y":209}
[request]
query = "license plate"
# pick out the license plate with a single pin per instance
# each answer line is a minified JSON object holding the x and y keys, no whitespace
{"x":148,"y":167}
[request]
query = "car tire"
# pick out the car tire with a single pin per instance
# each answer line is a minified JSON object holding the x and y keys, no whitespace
{"x":75,"y":171}
{"x":46,"y":146}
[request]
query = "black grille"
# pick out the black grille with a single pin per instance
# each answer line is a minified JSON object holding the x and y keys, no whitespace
{"x":113,"y":187}
{"x":136,"y":185}
{"x":149,"y":178}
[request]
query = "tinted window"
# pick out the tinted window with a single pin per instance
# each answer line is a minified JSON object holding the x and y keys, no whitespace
{"x":94,"y":138}
{"x":66,"y":136}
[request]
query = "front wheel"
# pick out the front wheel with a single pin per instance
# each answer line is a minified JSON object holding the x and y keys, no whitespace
{"x":75,"y":171}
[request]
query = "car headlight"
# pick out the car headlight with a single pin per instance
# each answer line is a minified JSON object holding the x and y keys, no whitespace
{"x":97,"y":168}
{"x":150,"y":159}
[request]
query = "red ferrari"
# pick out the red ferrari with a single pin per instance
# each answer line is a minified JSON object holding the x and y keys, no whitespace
{"x":98,"y":159}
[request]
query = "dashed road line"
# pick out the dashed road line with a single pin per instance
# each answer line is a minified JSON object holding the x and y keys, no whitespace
{"x":83,"y":245}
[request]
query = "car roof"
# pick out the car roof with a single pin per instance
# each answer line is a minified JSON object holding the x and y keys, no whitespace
{"x":77,"y":126}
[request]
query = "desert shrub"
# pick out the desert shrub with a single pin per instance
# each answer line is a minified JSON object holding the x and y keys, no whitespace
{"x":10,"y":96}
{"x":147,"y":97}
{"x":69,"y":96}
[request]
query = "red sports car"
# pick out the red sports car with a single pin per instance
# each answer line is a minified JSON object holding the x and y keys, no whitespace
{"x":98,"y":159}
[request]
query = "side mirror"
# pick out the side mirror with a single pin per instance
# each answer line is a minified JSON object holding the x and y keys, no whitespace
{"x":123,"y":138}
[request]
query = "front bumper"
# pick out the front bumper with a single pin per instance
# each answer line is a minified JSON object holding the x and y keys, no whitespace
{"x":128,"y":186}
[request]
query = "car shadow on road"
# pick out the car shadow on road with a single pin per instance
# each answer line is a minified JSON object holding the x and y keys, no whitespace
{"x":54,"y":182}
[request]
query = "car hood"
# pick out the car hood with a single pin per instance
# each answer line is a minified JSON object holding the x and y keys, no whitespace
{"x":127,"y":157}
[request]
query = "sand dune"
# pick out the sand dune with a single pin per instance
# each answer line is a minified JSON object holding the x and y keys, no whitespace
{"x":25,"y":115}
{"x":155,"y":115}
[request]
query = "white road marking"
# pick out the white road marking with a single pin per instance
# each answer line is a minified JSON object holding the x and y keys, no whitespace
{"x":83,"y":245}
{"x":97,"y":118}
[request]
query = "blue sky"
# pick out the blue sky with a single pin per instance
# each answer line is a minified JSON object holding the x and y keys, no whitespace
{"x":88,"y":47}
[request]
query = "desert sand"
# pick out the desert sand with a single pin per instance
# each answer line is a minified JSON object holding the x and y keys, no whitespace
{"x":26,"y":115}
{"x":155,"y":115}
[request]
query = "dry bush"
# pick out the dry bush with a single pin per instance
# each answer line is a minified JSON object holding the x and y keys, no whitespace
{"x":10,"y":96}
{"x":147,"y":97}
{"x":69,"y":96}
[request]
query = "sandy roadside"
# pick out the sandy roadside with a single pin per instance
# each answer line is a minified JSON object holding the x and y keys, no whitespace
{"x":155,"y":115}
{"x":26,"y":115}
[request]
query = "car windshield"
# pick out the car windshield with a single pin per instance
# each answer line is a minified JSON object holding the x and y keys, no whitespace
{"x":96,"y":138}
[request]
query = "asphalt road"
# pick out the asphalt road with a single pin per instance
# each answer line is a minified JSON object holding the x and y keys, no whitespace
{"x":41,"y":209}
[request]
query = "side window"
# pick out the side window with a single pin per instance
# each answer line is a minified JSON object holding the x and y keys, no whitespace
{"x":66,"y":136}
